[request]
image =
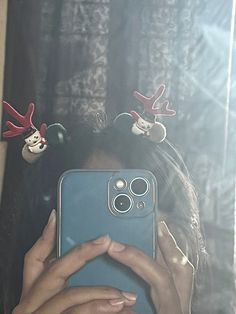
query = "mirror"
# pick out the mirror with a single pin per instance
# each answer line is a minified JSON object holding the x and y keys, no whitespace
{"x":80,"y":60}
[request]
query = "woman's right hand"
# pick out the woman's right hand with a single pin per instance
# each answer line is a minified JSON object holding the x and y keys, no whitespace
{"x":44,"y":283}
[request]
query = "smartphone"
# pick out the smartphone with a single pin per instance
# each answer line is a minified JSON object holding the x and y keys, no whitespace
{"x":121,"y":203}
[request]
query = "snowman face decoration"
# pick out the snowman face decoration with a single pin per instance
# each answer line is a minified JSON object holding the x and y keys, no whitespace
{"x":142,"y":126}
{"x":33,"y":139}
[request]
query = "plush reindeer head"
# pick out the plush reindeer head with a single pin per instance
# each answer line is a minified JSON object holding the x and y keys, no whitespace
{"x":146,"y":123}
{"x":36,"y":140}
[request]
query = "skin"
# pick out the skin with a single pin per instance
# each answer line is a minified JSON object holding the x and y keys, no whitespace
{"x":170,"y":277}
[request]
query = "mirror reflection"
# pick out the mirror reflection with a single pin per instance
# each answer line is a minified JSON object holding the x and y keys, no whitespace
{"x":107,"y":88}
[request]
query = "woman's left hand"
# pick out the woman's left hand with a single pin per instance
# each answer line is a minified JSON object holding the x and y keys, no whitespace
{"x":171,"y":282}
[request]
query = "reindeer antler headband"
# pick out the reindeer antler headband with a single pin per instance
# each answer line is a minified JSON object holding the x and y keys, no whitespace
{"x":36,"y":140}
{"x":25,"y":121}
{"x":150,"y":103}
{"x":146,"y":124}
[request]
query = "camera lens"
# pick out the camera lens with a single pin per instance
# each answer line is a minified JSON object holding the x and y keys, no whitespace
{"x":139,"y":186}
{"x":122,"y":203}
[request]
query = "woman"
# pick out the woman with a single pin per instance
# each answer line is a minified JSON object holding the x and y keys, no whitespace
{"x":170,"y":277}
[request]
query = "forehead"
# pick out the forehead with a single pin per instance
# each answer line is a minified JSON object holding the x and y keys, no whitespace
{"x":101,"y":160}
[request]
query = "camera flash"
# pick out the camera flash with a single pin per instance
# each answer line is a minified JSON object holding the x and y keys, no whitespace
{"x":120,"y":184}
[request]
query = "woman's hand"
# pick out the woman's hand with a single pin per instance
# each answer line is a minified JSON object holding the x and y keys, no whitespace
{"x":170,"y":280}
{"x":44,"y":282}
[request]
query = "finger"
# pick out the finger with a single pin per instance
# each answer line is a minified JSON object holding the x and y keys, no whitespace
{"x":34,"y":262}
{"x":127,"y":310}
{"x":174,"y":258}
{"x":80,"y":295}
{"x":163,"y":291}
{"x":137,"y":260}
{"x":53,"y":280}
{"x":160,"y":259}
{"x":177,"y":262}
{"x":97,"y":307}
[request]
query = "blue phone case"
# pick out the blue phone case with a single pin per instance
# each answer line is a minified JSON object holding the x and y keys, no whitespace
{"x":85,"y":212}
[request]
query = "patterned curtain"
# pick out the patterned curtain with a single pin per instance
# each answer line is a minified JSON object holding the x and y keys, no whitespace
{"x":75,"y":65}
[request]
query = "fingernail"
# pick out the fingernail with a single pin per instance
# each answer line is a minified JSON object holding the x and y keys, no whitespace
{"x":129,"y":296}
{"x":163,"y":229}
{"x":52,"y":218}
{"x":116,"y":247}
{"x":51,"y":222}
{"x":117,"y":302}
{"x":102,"y":239}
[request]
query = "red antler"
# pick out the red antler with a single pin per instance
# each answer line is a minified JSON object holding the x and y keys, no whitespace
{"x":25,"y":121}
{"x":13,"y":130}
{"x":150,"y":102}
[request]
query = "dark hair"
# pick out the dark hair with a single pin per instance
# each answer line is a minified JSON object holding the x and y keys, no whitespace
{"x":177,"y":198}
{"x":176,"y":194}
{"x":35,"y":196}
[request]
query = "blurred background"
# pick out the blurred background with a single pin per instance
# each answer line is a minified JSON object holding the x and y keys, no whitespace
{"x":75,"y":58}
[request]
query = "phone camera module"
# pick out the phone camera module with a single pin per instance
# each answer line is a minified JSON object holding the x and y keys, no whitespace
{"x":139,"y":186}
{"x":122,"y":203}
